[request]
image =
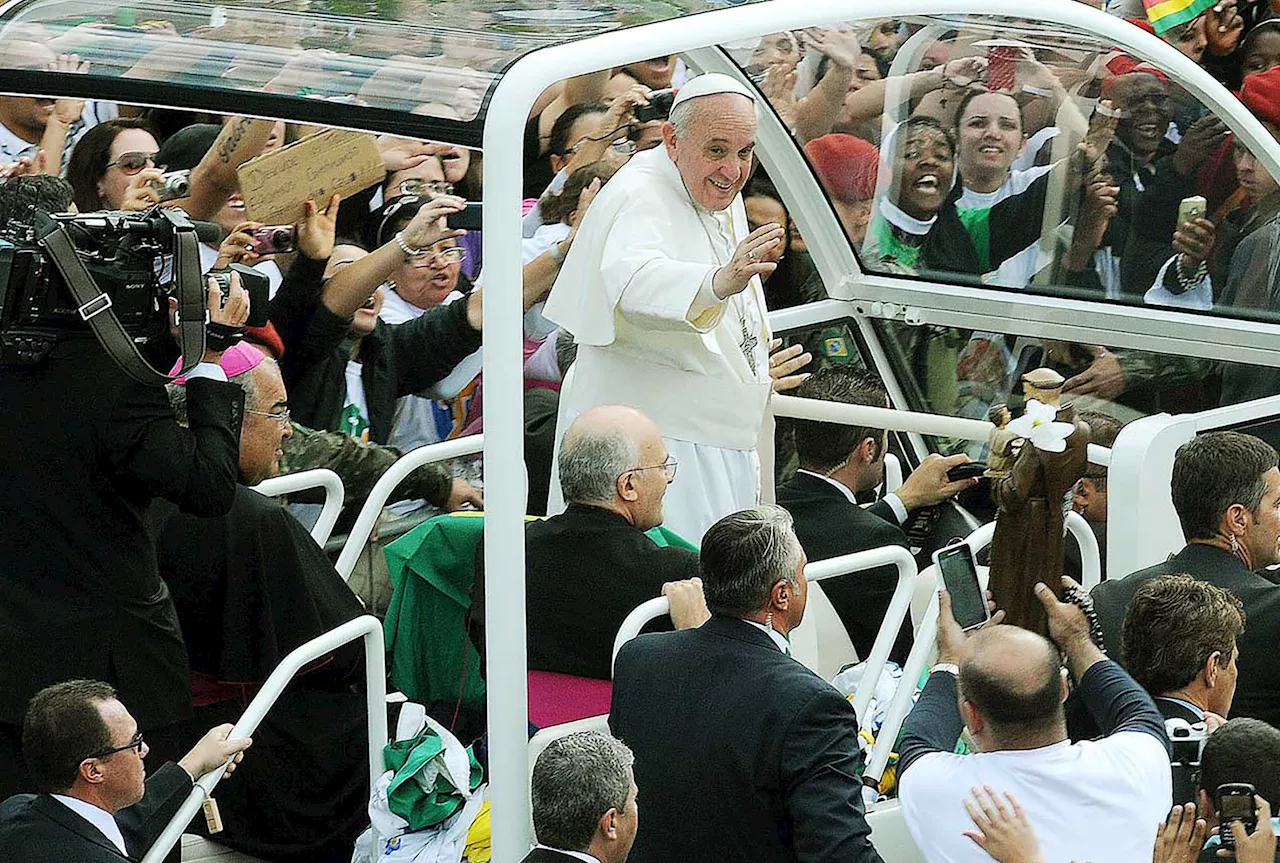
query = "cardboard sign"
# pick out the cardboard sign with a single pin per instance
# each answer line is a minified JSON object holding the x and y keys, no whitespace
{"x":276,"y":185}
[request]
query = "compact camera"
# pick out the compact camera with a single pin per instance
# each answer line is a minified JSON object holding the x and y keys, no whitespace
{"x":275,"y":239}
{"x":174,"y":185}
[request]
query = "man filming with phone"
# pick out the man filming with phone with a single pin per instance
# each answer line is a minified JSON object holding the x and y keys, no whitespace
{"x":1239,"y":774}
{"x":1006,"y":686}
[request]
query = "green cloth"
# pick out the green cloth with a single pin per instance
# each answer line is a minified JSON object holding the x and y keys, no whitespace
{"x":892,"y":247}
{"x":432,"y":569}
{"x":420,"y":792}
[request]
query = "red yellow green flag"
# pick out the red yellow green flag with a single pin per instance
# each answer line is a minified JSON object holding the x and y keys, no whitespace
{"x":1164,"y":14}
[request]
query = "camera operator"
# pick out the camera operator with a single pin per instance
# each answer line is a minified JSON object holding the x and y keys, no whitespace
{"x":89,"y":448}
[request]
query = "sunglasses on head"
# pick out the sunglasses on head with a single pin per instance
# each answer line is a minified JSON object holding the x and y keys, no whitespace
{"x":132,"y":163}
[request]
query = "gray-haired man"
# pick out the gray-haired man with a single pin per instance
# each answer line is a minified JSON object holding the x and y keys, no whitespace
{"x":756,"y":756}
{"x":590,"y":566}
{"x":584,"y":801}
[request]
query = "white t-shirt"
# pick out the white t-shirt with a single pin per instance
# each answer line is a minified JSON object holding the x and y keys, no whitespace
{"x":1099,"y":801}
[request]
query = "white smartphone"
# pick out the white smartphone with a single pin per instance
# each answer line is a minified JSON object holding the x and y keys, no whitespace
{"x":1191,"y":208}
{"x":958,"y":574}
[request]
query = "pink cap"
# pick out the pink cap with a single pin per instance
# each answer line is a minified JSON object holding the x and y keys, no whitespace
{"x":236,"y":360}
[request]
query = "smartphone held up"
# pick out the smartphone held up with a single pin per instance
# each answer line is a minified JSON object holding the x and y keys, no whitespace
{"x":958,"y":573}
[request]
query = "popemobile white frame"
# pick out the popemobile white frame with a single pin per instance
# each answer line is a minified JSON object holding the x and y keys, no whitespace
{"x":861,"y":296}
{"x":1140,"y":461}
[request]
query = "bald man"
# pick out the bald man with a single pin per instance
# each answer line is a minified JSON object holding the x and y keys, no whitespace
{"x":590,"y":566}
{"x":1096,"y":800}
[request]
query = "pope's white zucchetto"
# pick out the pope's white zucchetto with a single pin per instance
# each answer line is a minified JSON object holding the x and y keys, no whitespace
{"x":710,"y":84}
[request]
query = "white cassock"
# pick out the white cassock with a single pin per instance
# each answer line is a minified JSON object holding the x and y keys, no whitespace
{"x":635,"y":292}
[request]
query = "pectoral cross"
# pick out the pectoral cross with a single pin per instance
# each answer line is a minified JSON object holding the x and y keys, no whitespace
{"x":749,"y":342}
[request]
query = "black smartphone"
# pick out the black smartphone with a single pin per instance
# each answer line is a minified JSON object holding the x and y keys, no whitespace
{"x":1235,"y":801}
{"x":469,"y":219}
{"x":659,"y":107}
{"x":958,"y":574}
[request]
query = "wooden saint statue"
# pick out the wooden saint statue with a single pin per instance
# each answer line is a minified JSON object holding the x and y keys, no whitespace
{"x":1032,"y":500}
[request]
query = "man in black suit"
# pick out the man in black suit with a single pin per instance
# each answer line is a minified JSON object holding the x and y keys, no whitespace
{"x":748,"y":756}
{"x":1226,"y":491}
{"x":837,"y":463}
{"x":85,"y":754}
{"x":81,"y":596}
{"x":584,"y":800}
{"x":590,"y":566}
{"x":1179,"y":642}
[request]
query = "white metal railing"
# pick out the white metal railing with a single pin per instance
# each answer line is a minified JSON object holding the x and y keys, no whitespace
{"x":368,"y":628}
{"x":924,"y":649}
{"x":899,"y":607}
{"x":386,"y":484}
{"x":295,"y":482}
{"x":892,"y":419}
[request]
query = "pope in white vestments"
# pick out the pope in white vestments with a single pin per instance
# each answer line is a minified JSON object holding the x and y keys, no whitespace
{"x":661,"y":290}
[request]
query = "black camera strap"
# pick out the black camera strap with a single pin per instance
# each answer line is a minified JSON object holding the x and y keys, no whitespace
{"x":94,"y":306}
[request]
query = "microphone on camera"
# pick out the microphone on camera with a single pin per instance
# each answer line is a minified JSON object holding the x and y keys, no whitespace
{"x":209,"y":232}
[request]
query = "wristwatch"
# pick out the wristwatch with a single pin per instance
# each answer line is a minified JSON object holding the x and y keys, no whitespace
{"x":949,"y":667}
{"x":557,"y":253}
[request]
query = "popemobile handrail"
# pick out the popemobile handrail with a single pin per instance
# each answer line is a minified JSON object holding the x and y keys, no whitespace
{"x":290,"y":483}
{"x":386,"y":484}
{"x":892,"y":419}
{"x":924,"y":649}
{"x":366,"y":627}
{"x":899,"y":607}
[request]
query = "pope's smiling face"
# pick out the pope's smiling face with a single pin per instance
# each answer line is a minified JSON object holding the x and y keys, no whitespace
{"x":713,"y":154}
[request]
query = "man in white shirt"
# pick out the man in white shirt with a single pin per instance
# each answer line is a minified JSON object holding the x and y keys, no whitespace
{"x":1100,"y":801}
{"x":584,"y":801}
{"x":661,"y":291}
{"x":85,"y":753}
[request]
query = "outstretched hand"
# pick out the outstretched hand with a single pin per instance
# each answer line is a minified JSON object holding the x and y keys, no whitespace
{"x":428,"y":225}
{"x":929,"y":485}
{"x":749,"y":259}
{"x":784,"y":363}
{"x":1180,"y":837}
{"x":318,"y":228}
{"x":1003,"y":831}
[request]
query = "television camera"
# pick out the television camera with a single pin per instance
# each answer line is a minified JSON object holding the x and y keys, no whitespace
{"x":111,"y":272}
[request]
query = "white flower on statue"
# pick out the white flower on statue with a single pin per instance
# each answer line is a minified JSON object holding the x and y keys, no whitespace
{"x":1038,"y":426}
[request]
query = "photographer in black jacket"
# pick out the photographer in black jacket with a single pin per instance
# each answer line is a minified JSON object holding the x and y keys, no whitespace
{"x":87,"y":449}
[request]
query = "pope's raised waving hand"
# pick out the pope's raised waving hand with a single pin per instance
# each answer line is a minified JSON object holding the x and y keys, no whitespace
{"x":748,"y":260}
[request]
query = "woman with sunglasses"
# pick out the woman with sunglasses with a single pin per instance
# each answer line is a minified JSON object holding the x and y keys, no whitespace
{"x":113,"y":167}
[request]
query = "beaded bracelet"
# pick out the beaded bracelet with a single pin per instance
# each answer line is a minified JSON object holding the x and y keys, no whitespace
{"x":405,"y":247}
